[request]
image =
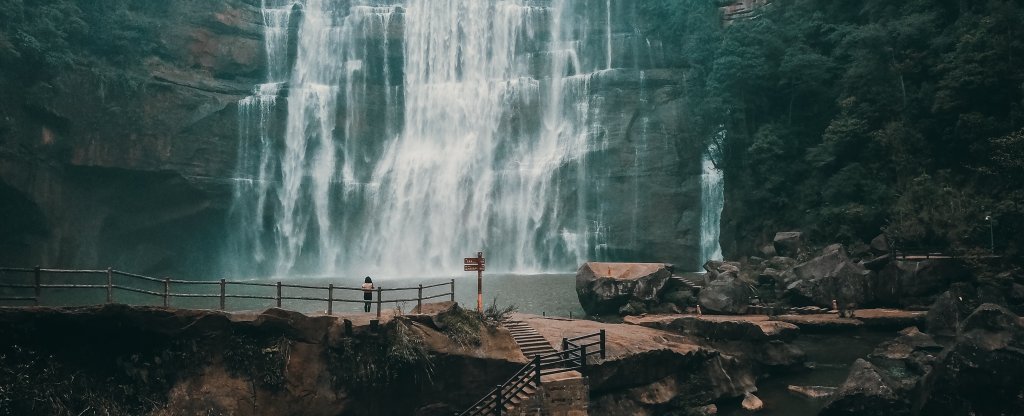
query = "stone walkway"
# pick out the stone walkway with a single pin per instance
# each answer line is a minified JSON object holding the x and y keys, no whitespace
{"x":872,"y":318}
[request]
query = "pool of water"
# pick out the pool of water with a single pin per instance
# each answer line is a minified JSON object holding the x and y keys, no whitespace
{"x":832,"y":355}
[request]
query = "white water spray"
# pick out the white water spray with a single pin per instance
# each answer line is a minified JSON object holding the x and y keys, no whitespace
{"x":481,"y":145}
{"x":712,"y":201}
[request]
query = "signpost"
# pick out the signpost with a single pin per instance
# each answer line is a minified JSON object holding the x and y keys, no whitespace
{"x":476,"y":264}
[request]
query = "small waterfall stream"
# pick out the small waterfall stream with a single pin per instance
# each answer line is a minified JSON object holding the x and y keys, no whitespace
{"x":712,"y":200}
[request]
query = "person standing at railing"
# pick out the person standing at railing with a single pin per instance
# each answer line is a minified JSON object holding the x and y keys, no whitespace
{"x":367,"y":293}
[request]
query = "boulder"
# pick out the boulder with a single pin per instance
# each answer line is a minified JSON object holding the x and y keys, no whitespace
{"x":880,"y":245}
{"x":830,"y":276}
{"x":719,"y":268}
{"x":929,"y":278}
{"x":949,"y":309}
{"x":887,"y":291}
{"x":708,"y":410}
{"x":682,"y":298}
{"x":768,"y":250}
{"x":980,"y":373}
{"x":812,"y":392}
{"x":777,"y":354}
{"x":769,"y":276}
{"x":878,"y":263}
{"x":727,"y":295}
{"x":781,"y":263}
{"x":789,"y":243}
{"x":604,"y":288}
{"x":859,"y":250}
{"x":867,"y":391}
{"x":1016,"y":295}
{"x":908,"y":357}
{"x":901,"y":283}
{"x":751,"y":403}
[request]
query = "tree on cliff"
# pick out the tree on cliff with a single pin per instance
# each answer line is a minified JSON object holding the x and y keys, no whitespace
{"x":849,"y":118}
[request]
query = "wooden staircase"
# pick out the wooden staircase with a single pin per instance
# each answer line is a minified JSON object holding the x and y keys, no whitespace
{"x":509,"y":405}
{"x":507,"y":397}
{"x":531,"y":342}
{"x":693,"y":281}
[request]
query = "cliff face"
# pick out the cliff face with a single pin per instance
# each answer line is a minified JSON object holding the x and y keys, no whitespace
{"x":123,"y":157}
{"x":119,"y":139}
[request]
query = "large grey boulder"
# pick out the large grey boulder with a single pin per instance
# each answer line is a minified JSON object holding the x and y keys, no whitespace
{"x":717,"y":268}
{"x":916,"y":282}
{"x":949,"y":309}
{"x":880,"y":245}
{"x":830,"y":276}
{"x":885,"y":384}
{"x":727,"y":294}
{"x":981,"y":373}
{"x":867,"y":391}
{"x":604,"y":288}
{"x":788,"y":243}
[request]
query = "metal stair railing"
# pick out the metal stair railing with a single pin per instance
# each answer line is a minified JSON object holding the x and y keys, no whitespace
{"x":572,"y":357}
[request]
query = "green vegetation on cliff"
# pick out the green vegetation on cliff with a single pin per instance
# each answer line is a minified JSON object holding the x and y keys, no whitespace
{"x":849,"y":118}
{"x":38,"y":38}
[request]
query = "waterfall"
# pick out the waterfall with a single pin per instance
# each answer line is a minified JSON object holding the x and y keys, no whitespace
{"x":398,"y":138}
{"x":712,"y":199}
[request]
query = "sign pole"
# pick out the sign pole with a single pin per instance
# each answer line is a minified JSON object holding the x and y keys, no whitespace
{"x":480,"y":283}
{"x":476,"y":264}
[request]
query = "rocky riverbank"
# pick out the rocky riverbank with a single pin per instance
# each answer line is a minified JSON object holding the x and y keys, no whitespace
{"x":952,"y":328}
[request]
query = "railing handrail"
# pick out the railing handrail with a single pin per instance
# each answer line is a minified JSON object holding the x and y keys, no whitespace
{"x":532,"y":371}
{"x":582,"y":337}
{"x":167,"y":294}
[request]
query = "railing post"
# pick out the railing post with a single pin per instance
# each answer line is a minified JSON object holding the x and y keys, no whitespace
{"x":583,"y":356}
{"x":278,"y":294}
{"x":565,"y":348}
{"x":536,"y":370}
{"x":419,"y":299}
{"x":499,"y":402}
{"x":453,"y":290}
{"x":167,"y":290}
{"x":330,"y":299}
{"x":379,"y":291}
{"x":222,"y":284}
{"x":39,"y":282}
{"x":110,"y":285}
{"x":602,"y":345}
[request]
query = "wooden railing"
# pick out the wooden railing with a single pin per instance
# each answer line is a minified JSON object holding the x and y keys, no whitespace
{"x":572,"y":357}
{"x":223,"y":294}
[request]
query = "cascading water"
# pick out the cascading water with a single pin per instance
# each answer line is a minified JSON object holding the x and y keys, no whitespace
{"x":712,"y":200}
{"x":419,"y":132}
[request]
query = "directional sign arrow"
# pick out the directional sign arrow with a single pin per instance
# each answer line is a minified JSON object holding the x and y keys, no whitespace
{"x":474,"y":267}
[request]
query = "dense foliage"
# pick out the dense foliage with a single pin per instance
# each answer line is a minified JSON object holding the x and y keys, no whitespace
{"x":849,"y":118}
{"x":39,"y":38}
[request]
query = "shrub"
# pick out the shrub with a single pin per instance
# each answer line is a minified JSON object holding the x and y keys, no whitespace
{"x":368,"y":363}
{"x":495,"y":315}
{"x":262,"y":360}
{"x":461,"y":326}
